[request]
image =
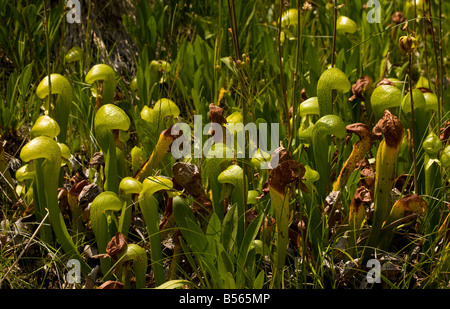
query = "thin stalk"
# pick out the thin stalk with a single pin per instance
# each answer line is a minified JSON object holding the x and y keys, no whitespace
{"x":33,"y":54}
{"x":334,"y":34}
{"x":415,"y":16}
{"x":61,"y":41}
{"x":47,"y":43}
{"x":87,"y":53}
{"x":425,"y":47}
{"x":441,"y":88}
{"x":283,"y":87}
{"x":237,"y":51}
{"x":413,"y":130}
{"x":217,"y":45}
{"x":177,"y":253}
{"x":235,"y":35}
{"x":438,"y":85}
{"x":297,"y":57}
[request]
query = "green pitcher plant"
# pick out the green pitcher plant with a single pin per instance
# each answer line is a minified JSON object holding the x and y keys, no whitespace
{"x":432,"y":145}
{"x":110,"y":117}
{"x":61,"y":108}
{"x":215,"y":162}
{"x":288,"y":20}
{"x":412,"y":203}
{"x":122,"y":253}
{"x":157,"y":116}
{"x":284,"y":174}
{"x":162,"y":147}
{"x":27,"y":177}
{"x":321,"y":139}
{"x":346,"y":25}
{"x":307,"y":110}
{"x":105,"y":73}
{"x":102,"y":219}
{"x":359,"y":150}
{"x":46,"y":154}
{"x":356,"y":218}
{"x":392,"y":130}
{"x":445,"y":159}
{"x":385,"y":96}
{"x":319,"y":136}
{"x":330,"y":79}
{"x":128,"y":187}
{"x":149,"y":208}
{"x":138,"y":255}
{"x":234,"y":175}
{"x":420,"y":129}
{"x":74,"y":54}
{"x":44,"y":126}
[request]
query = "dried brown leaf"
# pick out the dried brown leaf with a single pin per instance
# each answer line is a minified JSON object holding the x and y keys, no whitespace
{"x":385,"y":81}
{"x":187,"y":176}
{"x":398,"y":17}
{"x":392,"y":129}
{"x":116,"y":245}
{"x":285,"y":173}
{"x":216,"y":114}
{"x":111,"y":285}
{"x":97,"y":159}
{"x":360,"y":87}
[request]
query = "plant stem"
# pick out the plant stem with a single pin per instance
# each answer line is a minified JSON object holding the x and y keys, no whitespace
{"x":217,"y":47}
{"x":413,"y":130}
{"x":47,"y":43}
{"x":438,"y":86}
{"x":283,"y":88}
{"x":86,"y":60}
{"x":33,"y":54}
{"x":334,"y":35}
{"x":441,"y":88}
{"x":386,"y":158}
{"x":281,"y":205}
{"x":297,"y":57}
{"x":425,"y":46}
{"x":149,"y":208}
{"x":232,"y":17}
{"x":40,"y":201}
{"x":111,"y":172}
{"x":235,"y":35}
{"x":415,"y":16}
